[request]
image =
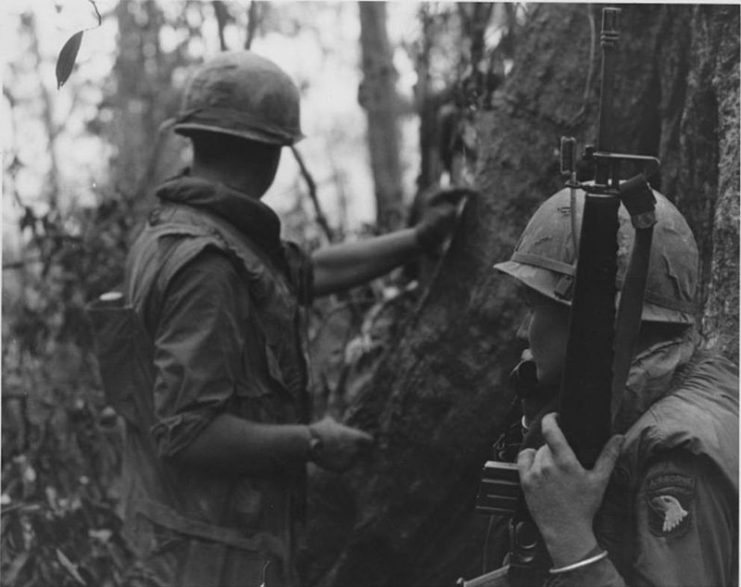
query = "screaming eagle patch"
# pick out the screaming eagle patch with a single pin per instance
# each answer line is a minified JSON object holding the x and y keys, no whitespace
{"x":669,"y":497}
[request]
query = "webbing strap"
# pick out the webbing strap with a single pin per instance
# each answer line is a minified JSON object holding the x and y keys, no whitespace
{"x":544,"y":263}
{"x":629,"y":314}
{"x":163,"y":515}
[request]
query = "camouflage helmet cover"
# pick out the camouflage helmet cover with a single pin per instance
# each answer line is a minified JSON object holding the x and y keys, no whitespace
{"x":242,"y":94}
{"x":545,"y":257}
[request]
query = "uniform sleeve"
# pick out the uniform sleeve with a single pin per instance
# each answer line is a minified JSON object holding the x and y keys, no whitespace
{"x":685,"y":530}
{"x":199,"y":343}
{"x":686,"y":524}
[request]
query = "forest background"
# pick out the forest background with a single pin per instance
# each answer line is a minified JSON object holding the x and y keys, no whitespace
{"x":396,"y":98}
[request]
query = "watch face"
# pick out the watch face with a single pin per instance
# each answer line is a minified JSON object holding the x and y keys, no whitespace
{"x":315,"y":444}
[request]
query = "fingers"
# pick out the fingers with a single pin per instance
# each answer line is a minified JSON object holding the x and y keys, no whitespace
{"x":525,"y":460}
{"x":342,"y":445}
{"x":360,"y":441}
{"x":365,"y":442}
{"x":555,"y":439}
{"x":608,"y":457}
{"x":364,"y":437}
{"x":451,"y":195}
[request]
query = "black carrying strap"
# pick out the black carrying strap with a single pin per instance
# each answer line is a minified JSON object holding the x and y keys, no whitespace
{"x":584,"y":400}
{"x":638,"y":198}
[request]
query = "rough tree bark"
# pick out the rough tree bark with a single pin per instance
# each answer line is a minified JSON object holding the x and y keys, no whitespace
{"x":709,"y":149}
{"x":428,"y":105}
{"x":439,"y":395}
{"x":377,"y":94}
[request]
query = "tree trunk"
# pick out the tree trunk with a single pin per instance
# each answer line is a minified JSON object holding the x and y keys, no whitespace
{"x":135,"y":99}
{"x":439,"y":395}
{"x":53,"y":179}
{"x":377,"y":94}
{"x":140,"y":97}
{"x":711,"y":119}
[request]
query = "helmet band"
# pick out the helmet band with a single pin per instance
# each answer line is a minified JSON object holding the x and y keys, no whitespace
{"x":235,"y":121}
{"x":544,"y":263}
{"x":563,"y":287}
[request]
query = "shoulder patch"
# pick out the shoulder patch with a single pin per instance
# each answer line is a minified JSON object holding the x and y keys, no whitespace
{"x":669,"y":497}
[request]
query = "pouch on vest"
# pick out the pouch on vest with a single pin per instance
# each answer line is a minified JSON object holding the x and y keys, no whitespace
{"x":124,"y":355}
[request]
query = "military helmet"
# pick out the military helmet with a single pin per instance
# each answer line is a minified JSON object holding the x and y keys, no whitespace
{"x":545,"y":256}
{"x":244,"y":95}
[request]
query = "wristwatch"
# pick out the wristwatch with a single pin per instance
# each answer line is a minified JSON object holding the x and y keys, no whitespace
{"x":316,"y":444}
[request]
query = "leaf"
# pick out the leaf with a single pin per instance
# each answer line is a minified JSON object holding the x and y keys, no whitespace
{"x":70,"y":567}
{"x":16,"y":566}
{"x":67,"y":57}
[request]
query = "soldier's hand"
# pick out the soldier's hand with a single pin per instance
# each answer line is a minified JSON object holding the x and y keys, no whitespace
{"x":438,"y":219}
{"x":338,"y":447}
{"x":562,"y":496}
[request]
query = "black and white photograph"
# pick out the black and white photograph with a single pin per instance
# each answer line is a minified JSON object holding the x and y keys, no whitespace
{"x":369,"y":293}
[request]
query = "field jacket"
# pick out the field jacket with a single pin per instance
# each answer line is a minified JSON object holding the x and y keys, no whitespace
{"x":669,"y":516}
{"x":213,"y":302}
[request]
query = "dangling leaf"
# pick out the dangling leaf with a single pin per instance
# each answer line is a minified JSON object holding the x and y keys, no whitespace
{"x":67,"y":57}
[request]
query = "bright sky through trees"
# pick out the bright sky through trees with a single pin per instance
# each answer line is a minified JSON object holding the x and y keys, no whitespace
{"x":321,"y":53}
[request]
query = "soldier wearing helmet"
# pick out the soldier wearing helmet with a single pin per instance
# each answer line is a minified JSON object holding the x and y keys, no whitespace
{"x":216,"y":482}
{"x":659,"y":506}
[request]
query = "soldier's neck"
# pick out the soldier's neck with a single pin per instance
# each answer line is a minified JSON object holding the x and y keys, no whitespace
{"x":243,"y":177}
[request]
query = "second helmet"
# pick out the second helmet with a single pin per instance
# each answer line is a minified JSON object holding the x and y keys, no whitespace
{"x":545,"y":257}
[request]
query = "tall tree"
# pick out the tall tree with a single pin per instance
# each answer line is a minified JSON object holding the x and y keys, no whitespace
{"x":439,"y":395}
{"x":53,"y":179}
{"x":140,"y":96}
{"x":377,"y":94}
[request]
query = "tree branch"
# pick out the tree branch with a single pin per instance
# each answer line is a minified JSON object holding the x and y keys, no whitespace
{"x":311,"y":185}
{"x":21,"y":264}
{"x":47,"y":116}
{"x":252,"y":21}
{"x":222,"y":18}
{"x":97,"y":12}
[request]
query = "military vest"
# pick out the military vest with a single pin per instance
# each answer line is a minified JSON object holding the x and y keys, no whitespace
{"x":209,"y":516}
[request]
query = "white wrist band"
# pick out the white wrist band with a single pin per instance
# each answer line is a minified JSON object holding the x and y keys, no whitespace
{"x":580,"y":564}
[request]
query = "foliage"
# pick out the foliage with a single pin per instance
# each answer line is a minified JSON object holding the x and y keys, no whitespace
{"x":61,"y":443}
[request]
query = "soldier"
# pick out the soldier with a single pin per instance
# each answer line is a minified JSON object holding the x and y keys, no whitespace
{"x":660,"y":505}
{"x":216,"y":455}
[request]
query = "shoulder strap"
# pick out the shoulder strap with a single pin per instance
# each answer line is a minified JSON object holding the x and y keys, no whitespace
{"x":201,"y":230}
